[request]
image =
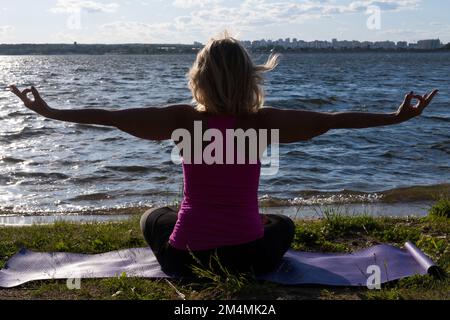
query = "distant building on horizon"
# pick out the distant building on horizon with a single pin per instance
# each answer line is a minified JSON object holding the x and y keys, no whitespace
{"x":429,"y":44}
{"x":402,"y":45}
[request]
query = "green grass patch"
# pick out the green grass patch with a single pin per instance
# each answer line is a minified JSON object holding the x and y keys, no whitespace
{"x":441,"y":209}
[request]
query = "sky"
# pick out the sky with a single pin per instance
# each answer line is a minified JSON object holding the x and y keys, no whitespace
{"x":186,"y":21}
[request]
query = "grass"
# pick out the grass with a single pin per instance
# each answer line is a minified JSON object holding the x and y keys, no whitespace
{"x":332,"y":233}
{"x":441,"y":209}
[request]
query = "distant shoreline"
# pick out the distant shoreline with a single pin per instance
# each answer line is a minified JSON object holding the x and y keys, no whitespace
{"x":158,"y":49}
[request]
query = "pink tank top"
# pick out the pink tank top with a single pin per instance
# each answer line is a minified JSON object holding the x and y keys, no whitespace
{"x":220,"y":205}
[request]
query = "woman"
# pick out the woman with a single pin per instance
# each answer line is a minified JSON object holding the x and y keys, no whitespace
{"x":218,"y":224}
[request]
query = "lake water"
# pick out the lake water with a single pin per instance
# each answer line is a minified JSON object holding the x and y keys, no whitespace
{"x":54,"y":167}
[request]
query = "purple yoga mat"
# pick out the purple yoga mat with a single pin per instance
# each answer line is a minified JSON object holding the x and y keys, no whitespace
{"x":296,"y":268}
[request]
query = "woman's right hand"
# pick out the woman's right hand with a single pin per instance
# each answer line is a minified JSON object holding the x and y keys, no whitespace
{"x":37,"y":105}
{"x":408,"y":111}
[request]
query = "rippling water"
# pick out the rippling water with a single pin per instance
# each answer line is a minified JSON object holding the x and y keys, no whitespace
{"x":50,"y":166}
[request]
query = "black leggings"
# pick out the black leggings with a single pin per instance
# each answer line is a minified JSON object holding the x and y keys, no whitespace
{"x":257,"y":257}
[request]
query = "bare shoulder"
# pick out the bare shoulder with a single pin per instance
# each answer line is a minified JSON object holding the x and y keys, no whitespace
{"x":267,"y":111}
{"x":180,"y":110}
{"x":265,"y":116}
{"x":185,"y":114}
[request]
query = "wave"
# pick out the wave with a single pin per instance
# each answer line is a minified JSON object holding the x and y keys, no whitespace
{"x":81,"y":69}
{"x":48,"y":175}
{"x":396,"y":195}
{"x":130,"y":168}
{"x":317,"y":101}
{"x":417,"y":193}
{"x":320,"y":198}
{"x":113,"y":139}
{"x":91,"y":197}
{"x":11,"y":160}
{"x":26,"y":133}
{"x":438,"y":118}
{"x":442,"y":146}
{"x":17,"y":114}
{"x":87,"y":179}
{"x":299,"y":102}
{"x":94,"y":127}
{"x":97,"y":203}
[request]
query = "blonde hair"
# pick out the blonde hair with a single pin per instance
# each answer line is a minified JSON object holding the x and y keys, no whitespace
{"x":224,"y":79}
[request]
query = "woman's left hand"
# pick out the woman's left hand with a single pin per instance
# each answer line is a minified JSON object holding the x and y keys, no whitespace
{"x":408,"y":111}
{"x":37,"y":105}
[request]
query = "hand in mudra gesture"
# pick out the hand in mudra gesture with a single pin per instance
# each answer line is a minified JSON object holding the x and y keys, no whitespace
{"x":37,"y":105}
{"x":408,"y":111}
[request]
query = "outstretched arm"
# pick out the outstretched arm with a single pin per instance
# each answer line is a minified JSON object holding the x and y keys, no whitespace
{"x":297,"y":125}
{"x":145,"y":123}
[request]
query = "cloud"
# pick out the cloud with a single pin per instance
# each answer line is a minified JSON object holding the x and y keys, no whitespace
{"x":135,"y":32}
{"x":416,"y":34}
{"x":207,"y":17}
{"x":384,"y":5}
{"x":6,"y":33}
{"x":5,"y":30}
{"x":258,"y":13}
{"x":71,"y":6}
{"x":194,"y":3}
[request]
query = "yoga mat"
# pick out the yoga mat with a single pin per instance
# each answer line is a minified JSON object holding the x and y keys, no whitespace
{"x":296,"y":267}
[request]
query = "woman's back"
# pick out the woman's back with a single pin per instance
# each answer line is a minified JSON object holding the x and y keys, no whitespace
{"x":220,"y":205}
